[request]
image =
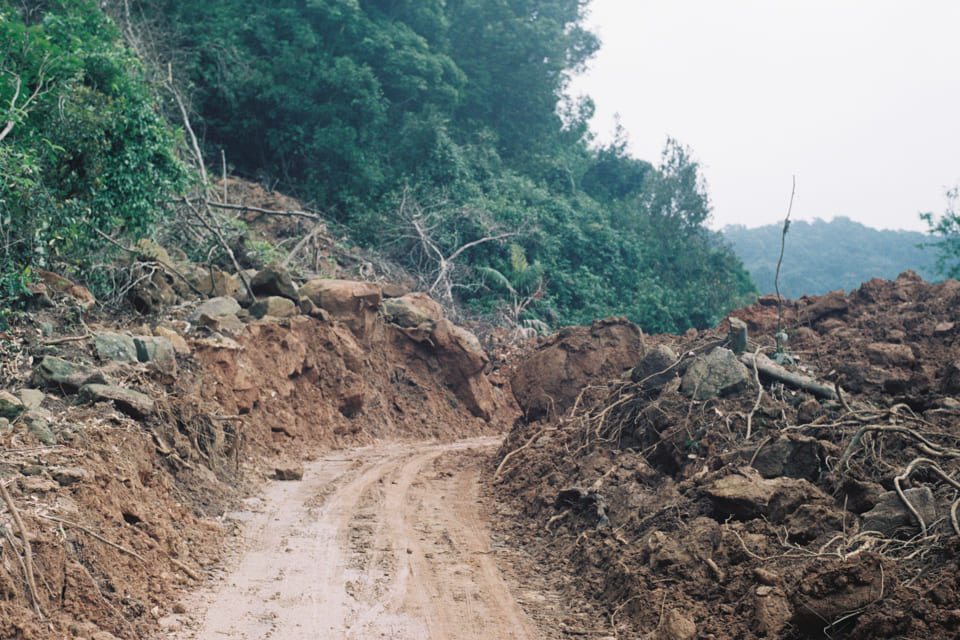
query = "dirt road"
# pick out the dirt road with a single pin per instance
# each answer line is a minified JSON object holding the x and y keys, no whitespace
{"x":379,"y":542}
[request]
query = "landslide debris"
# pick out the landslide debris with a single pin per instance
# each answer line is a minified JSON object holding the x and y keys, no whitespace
{"x":124,"y":439}
{"x":754,"y":509}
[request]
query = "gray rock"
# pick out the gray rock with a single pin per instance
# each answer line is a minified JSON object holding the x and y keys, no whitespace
{"x":890,"y":515}
{"x":10,"y":406}
{"x":31,"y":398}
{"x":274,"y":280}
{"x":656,"y":368}
{"x":289,"y":472}
{"x":411,"y":310}
{"x":133,"y":403}
{"x":719,"y":373}
{"x":38,"y":425}
{"x":791,"y":456}
{"x":115,"y":346}
{"x":276,"y":306}
{"x":57,"y":372}
{"x":216,"y":307}
{"x":737,"y":338}
{"x":67,"y":476}
{"x":158,"y":352}
{"x":229,"y":324}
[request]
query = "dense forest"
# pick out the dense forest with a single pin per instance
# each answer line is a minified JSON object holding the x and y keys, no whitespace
{"x":428,"y":128}
{"x":824,"y":256}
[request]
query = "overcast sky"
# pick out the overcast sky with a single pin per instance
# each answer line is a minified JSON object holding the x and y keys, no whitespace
{"x":860,"y":99}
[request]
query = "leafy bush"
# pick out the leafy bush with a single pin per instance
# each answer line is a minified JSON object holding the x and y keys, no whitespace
{"x":86,"y":151}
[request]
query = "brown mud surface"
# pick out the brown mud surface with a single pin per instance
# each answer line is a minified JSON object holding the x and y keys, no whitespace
{"x":618,"y":506}
{"x":656,"y":516}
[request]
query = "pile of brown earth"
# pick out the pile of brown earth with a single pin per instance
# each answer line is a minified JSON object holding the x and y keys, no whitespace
{"x":124,"y":439}
{"x":669,"y":495}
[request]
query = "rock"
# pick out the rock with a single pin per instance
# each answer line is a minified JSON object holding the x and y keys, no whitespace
{"x":157,"y":351}
{"x":656,"y":368}
{"x":217,"y":341}
{"x":885,"y":353}
{"x":133,"y":403}
{"x":10,"y":406}
{"x":38,"y":424}
{"x":31,"y":398}
{"x":719,"y":373}
{"x":808,"y":411}
{"x":891,"y":516}
{"x":289,"y":472}
{"x":103,"y":635}
{"x":274,"y":280}
{"x":4,"y":425}
{"x":550,"y":380}
{"x":676,"y":626}
{"x":356,"y":304}
{"x":950,"y":379}
{"x":37,"y":484}
{"x":83,"y":630}
{"x":463,"y":359}
{"x":155,"y":293}
{"x":115,"y":346}
{"x":746,"y":495}
{"x":176,"y":340}
{"x":832,"y":304}
{"x":212,"y":282}
{"x":275,"y":306}
{"x":944,"y":328}
{"x":216,"y":307}
{"x":57,"y":372}
{"x":412,"y":310}
{"x":771,"y":612}
{"x":67,"y":476}
{"x":792,"y":456}
{"x":229,"y":324}
{"x":737,"y":338}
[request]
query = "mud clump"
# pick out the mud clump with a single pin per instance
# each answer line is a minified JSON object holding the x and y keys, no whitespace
{"x":751,"y":512}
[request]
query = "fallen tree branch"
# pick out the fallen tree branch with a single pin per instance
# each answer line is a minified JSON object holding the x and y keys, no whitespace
{"x":927,"y":446}
{"x":223,"y":243}
{"x":320,"y":226}
{"x":770,"y":369}
{"x":269,"y":212}
{"x":27,"y":551}
{"x":90,"y":533}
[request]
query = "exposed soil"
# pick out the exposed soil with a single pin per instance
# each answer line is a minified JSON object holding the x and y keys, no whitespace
{"x":656,"y":516}
{"x":340,"y":473}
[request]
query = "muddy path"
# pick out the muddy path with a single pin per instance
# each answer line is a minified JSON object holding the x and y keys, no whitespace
{"x":378,"y":542}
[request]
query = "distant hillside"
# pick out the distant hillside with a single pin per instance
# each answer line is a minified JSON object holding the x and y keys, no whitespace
{"x":824,"y":256}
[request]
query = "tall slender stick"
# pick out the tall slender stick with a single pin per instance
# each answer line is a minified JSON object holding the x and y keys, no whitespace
{"x":27,"y":551}
{"x":776,"y":278}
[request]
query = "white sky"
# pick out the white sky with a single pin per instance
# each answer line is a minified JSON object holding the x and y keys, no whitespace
{"x":860,"y":99}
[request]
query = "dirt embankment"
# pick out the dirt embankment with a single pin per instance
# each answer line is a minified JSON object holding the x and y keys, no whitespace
{"x":120,"y":470}
{"x":756,"y":510}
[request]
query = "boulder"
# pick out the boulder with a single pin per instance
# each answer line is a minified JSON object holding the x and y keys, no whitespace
{"x":719,"y":373}
{"x":289,"y":472}
{"x":793,"y":456}
{"x":275,"y":306}
{"x":550,"y":380}
{"x":216,"y":307}
{"x":656,"y":368}
{"x":832,"y":304}
{"x":890,"y":515}
{"x":886,"y":353}
{"x":133,"y":403}
{"x":354,"y":303}
{"x":463,"y":359}
{"x":228,"y":324}
{"x":211,"y":282}
{"x":38,"y":423}
{"x":412,"y":310}
{"x":31,"y":398}
{"x":57,"y":372}
{"x":177,"y":341}
{"x":115,"y":346}
{"x":157,"y":351}
{"x":746,"y":494}
{"x":10,"y":406}
{"x":66,"y":476}
{"x":274,"y":280}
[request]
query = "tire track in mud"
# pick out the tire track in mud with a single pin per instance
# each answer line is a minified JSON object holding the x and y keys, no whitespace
{"x":378,"y":542}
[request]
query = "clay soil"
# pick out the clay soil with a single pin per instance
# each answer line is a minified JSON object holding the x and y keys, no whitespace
{"x":548,"y":496}
{"x":658,"y":516}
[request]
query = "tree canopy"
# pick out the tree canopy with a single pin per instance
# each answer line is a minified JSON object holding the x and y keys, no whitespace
{"x":387,"y":114}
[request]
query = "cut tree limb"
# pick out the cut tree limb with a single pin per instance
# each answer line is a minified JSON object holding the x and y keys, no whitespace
{"x":768,"y":368}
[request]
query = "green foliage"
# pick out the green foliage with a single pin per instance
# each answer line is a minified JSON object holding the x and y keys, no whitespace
{"x":825,"y":256}
{"x":947,"y":229}
{"x":452,"y":114}
{"x":87,"y":153}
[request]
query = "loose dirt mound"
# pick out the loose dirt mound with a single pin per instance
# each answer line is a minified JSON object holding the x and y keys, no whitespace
{"x":770,"y":512}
